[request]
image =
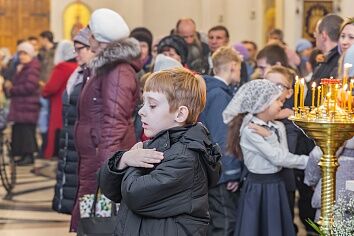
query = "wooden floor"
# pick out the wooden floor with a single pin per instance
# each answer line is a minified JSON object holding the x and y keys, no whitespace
{"x":29,"y":212}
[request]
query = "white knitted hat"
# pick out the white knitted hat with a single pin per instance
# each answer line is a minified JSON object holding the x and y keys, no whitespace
{"x":107,"y":26}
{"x":27,"y":48}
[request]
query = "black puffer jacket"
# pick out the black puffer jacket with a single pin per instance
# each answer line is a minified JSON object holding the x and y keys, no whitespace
{"x":172,"y":198}
{"x":66,"y":185}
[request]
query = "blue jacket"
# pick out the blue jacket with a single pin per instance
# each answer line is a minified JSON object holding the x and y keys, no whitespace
{"x":218,"y":97}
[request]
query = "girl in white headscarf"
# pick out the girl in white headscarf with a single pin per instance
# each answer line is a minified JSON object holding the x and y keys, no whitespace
{"x":255,"y":136}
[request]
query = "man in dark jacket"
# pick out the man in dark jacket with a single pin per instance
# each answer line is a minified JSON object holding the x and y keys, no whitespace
{"x":223,"y":197}
{"x":170,"y":195}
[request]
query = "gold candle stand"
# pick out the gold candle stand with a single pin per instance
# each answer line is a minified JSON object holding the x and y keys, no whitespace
{"x":329,"y":125}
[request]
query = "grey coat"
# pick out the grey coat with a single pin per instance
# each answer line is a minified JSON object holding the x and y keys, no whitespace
{"x":345,"y":172}
{"x":172,"y":198}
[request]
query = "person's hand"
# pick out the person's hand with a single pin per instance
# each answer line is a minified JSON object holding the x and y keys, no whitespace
{"x":8,"y":85}
{"x":262,"y":131}
{"x":316,"y":153}
{"x":285,"y":113}
{"x":41,"y":84}
{"x":232,"y":186}
{"x":19,"y":67}
{"x":139,"y":157}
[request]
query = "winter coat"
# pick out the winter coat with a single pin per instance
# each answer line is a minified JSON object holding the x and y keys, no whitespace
{"x":344,"y":172}
{"x":24,"y":105}
{"x":172,"y":198}
{"x":218,"y":97}
{"x":105,"y":112}
{"x":326,"y":69}
{"x":53,"y":90}
{"x":66,"y":185}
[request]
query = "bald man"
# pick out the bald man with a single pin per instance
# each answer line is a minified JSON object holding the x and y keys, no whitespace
{"x":197,"y":51}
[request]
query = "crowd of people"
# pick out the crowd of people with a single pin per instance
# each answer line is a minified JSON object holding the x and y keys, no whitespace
{"x":188,"y":132}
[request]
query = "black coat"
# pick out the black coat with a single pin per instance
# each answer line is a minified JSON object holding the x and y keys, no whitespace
{"x":326,"y":69}
{"x":66,"y":186}
{"x":172,"y":198}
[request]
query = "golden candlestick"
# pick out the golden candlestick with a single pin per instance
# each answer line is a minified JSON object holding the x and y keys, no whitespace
{"x":319,"y":96}
{"x":302,"y":88}
{"x":322,"y":124}
{"x":313,"y":91}
{"x":296,"y":92}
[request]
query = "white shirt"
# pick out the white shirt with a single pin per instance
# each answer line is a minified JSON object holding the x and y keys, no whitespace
{"x":268,"y":155}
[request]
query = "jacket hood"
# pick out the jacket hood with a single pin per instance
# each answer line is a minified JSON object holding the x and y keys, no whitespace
{"x":212,"y":83}
{"x":197,"y":138}
{"x":122,"y":51}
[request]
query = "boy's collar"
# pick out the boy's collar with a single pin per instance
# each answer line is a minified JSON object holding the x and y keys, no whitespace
{"x":162,"y":141}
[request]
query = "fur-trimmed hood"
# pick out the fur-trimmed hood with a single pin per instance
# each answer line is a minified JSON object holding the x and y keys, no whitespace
{"x":122,"y":51}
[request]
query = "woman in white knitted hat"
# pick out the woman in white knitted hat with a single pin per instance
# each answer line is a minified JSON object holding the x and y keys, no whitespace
{"x":255,"y":136}
{"x":108,"y":99}
{"x":23,"y":91}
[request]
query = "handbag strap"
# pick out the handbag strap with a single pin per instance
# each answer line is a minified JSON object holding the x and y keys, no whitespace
{"x":93,"y":207}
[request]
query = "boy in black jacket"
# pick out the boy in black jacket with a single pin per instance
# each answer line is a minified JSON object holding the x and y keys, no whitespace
{"x":166,"y":195}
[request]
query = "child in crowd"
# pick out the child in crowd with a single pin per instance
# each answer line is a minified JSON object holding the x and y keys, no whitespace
{"x":255,"y":136}
{"x":165,"y":191}
{"x":223,"y":197}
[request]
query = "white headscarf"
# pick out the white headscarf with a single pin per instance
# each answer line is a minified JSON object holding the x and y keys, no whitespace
{"x":64,"y":52}
{"x":252,"y":98}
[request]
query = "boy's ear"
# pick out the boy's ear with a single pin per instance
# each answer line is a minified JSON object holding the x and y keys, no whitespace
{"x":182,"y":114}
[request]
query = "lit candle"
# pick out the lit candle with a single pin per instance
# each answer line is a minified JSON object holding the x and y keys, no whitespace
{"x":328,"y":99}
{"x":302,"y":86}
{"x":343,"y":94}
{"x":319,"y":96}
{"x":349,"y":94}
{"x":313,"y":90}
{"x":347,"y":67}
{"x":296,"y":92}
{"x":322,"y":93}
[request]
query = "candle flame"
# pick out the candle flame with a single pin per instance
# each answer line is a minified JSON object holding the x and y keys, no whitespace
{"x":302,"y":81}
{"x":314,"y":85}
{"x":347,"y":65}
{"x":345,"y":87}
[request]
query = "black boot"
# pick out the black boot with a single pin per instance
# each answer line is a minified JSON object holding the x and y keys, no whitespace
{"x":26,"y":160}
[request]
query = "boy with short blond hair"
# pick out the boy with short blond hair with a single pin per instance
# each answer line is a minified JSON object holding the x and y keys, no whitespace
{"x":162,"y":184}
{"x":220,"y":88}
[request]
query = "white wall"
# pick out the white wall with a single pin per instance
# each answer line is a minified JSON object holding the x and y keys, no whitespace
{"x":243,"y":18}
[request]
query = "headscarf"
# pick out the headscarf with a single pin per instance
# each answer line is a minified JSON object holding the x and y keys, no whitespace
{"x":64,"y":52}
{"x":252,"y":98}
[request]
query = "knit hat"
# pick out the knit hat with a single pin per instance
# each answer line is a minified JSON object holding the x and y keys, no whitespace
{"x":107,"y":26}
{"x":240,"y":48}
{"x":176,"y":42}
{"x":253,"y":97}
{"x":302,"y":44}
{"x":142,"y":34}
{"x":349,"y":58}
{"x":163,"y":62}
{"x":27,"y":48}
{"x":83,"y":36}
{"x":64,"y":52}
